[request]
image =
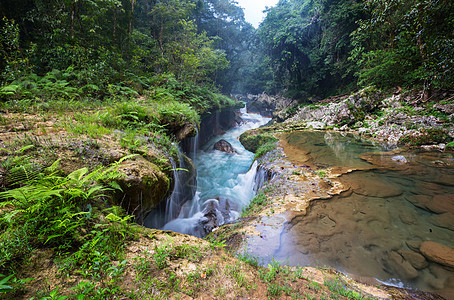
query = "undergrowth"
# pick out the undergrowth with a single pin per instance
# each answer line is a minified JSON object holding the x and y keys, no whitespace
{"x":70,"y":215}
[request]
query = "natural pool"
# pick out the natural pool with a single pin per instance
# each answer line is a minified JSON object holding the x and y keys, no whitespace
{"x":375,"y":229}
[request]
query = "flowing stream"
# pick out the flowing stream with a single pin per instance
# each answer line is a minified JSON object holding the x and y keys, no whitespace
{"x":225,"y":182}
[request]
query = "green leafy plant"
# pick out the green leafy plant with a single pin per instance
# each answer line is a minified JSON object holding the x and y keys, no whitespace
{"x":4,"y":287}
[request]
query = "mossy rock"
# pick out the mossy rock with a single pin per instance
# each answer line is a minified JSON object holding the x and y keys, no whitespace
{"x":144,"y":186}
{"x":252,"y":141}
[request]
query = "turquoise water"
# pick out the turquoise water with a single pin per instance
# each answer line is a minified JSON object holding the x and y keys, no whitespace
{"x":221,"y":178}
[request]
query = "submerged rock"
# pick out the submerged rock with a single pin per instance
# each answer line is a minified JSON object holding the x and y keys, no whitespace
{"x":224,"y":146}
{"x":415,"y":259}
{"x":438,"y":253}
{"x":402,"y":267}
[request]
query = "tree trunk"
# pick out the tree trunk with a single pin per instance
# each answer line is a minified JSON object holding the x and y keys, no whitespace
{"x":131,"y":16}
{"x":161,"y":38}
{"x":115,"y":26}
{"x":73,"y":12}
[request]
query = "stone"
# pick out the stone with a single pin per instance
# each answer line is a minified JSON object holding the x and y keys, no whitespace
{"x":421,"y":201}
{"x":442,"y":204}
{"x":224,"y":146}
{"x":399,"y":159}
{"x":315,"y":125}
{"x":413,"y":245}
{"x":144,"y":186}
{"x":438,"y":253}
{"x":445,"y":220}
{"x":415,"y":259}
{"x":402,"y":267}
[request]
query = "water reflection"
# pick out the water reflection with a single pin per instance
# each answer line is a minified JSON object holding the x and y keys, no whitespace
{"x":376,"y":228}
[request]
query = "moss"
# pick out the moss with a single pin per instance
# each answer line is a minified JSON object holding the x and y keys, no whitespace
{"x":426,"y":137}
{"x":253,"y":142}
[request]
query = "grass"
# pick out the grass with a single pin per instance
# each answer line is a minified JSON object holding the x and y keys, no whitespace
{"x":256,"y":205}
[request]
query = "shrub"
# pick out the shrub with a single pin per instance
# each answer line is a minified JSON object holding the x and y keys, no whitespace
{"x":425,"y":137}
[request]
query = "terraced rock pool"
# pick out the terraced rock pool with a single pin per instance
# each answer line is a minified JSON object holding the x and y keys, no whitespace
{"x":390,"y":226}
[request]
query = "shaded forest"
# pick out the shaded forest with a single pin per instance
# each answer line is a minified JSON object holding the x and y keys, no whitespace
{"x":303,"y":48}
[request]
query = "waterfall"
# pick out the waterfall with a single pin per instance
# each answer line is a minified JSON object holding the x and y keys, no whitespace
{"x":169,"y":208}
{"x":194,"y":145}
{"x":225,"y":183}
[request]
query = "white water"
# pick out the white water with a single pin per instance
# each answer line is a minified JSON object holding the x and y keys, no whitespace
{"x":221,"y":176}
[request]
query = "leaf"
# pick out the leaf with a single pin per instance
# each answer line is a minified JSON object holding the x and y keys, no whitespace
{"x":115,"y":185}
{"x":78,"y":174}
{"x":114,"y":218}
{"x":25,"y":148}
{"x":3,"y":284}
{"x":54,"y":167}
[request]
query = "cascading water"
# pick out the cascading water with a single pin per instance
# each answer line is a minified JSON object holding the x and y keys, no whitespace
{"x":165,"y":213}
{"x":225,"y":183}
{"x":194,"y":145}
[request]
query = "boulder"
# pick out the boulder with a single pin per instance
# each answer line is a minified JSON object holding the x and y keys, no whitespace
{"x":224,"y":146}
{"x":438,"y":253}
{"x":144,"y":186}
{"x":415,"y":259}
{"x":402,"y":267}
{"x":442,"y":203}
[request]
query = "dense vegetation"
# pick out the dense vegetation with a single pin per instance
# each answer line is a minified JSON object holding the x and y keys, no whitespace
{"x":80,"y":76}
{"x":323,"y":47}
{"x":96,"y":48}
{"x":97,"y":77}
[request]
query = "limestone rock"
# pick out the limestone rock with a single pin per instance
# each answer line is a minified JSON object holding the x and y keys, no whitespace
{"x":438,"y":253}
{"x":445,"y":220}
{"x":144,"y":186}
{"x":402,"y":267}
{"x":413,"y":245}
{"x":315,"y":125}
{"x":399,"y":159}
{"x":224,"y":146}
{"x":415,"y":259}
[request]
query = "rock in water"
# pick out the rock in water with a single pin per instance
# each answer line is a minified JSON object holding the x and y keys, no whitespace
{"x":415,"y":259}
{"x":399,"y":159}
{"x":224,"y":146}
{"x":438,"y":253}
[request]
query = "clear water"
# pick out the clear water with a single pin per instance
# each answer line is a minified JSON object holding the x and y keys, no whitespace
{"x":362,"y":232}
{"x":221,"y":176}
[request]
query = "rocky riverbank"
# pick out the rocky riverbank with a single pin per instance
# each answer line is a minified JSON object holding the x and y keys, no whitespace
{"x":400,"y":118}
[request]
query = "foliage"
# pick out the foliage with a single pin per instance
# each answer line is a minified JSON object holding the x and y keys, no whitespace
{"x":317,"y":48}
{"x":50,"y":210}
{"x":405,"y":43}
{"x":305,"y":47}
{"x":259,"y":201}
{"x":426,"y":137}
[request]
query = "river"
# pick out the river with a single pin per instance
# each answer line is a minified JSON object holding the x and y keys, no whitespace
{"x":225,"y":182}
